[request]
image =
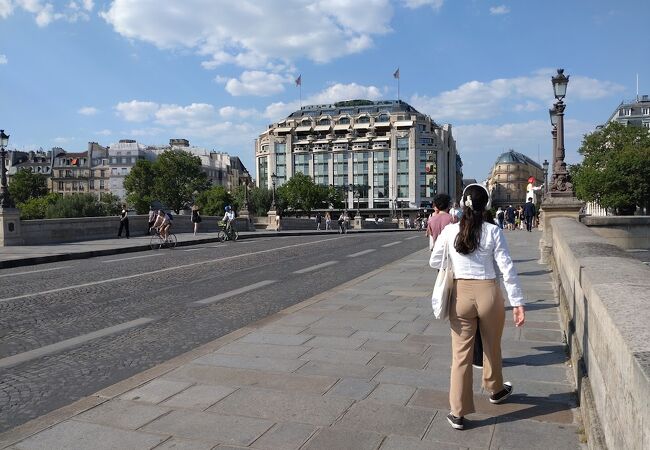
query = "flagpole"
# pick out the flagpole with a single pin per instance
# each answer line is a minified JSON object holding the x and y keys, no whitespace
{"x":398,"y":89}
{"x":300,"y":90}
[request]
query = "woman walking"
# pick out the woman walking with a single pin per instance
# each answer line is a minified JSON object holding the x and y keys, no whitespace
{"x":196,"y":218}
{"x":475,"y":246}
{"x":124,"y":222}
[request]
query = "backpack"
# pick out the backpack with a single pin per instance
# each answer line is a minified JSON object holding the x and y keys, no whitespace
{"x":169,"y":216}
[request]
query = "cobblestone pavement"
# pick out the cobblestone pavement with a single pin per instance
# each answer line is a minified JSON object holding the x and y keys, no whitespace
{"x":362,"y":366}
{"x":64,"y":301}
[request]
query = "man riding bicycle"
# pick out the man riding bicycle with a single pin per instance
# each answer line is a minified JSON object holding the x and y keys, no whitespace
{"x":228,"y":218}
{"x":162,"y":224}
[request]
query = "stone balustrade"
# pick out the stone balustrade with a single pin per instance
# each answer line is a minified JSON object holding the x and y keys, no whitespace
{"x":624,"y":231}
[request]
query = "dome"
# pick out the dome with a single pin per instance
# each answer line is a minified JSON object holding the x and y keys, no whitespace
{"x":513,"y":157}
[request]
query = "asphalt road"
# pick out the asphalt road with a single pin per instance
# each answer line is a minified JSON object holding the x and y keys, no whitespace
{"x":69,"y":329}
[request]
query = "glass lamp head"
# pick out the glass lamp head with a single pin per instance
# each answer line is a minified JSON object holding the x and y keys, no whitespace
{"x":4,"y":138}
{"x":560,"y":82}
{"x":553,"y":115}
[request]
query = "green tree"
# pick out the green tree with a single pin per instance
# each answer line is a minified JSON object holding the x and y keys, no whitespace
{"x":77,"y":205}
{"x":300,"y":193}
{"x":615,"y":171}
{"x":260,"y":199}
{"x":178,"y":175}
{"x":36,"y":207}
{"x":139,"y":184}
{"x":26,"y":185}
{"x":110,"y":204}
{"x":213,"y":201}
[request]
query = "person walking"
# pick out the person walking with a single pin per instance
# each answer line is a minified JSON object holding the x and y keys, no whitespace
{"x":328,"y":221}
{"x":500,"y":217}
{"x":151,"y":220}
{"x":319,"y":220}
{"x":124,"y":222}
{"x":476,"y":248}
{"x":510,"y":217}
{"x":439,"y":219}
{"x":196,"y":218}
{"x":529,"y":213}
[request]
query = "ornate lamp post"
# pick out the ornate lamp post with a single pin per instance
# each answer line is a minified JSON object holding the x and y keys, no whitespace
{"x":560,"y":181}
{"x":5,"y":199}
{"x":545,"y":166}
{"x":274,"y":179}
{"x":351,"y":189}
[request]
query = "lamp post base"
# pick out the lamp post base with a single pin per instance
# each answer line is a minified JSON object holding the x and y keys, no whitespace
{"x":10,"y":227}
{"x":552,"y":207}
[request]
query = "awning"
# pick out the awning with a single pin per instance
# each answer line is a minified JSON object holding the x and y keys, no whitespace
{"x":304,"y":128}
{"x":302,"y":142}
{"x":404,"y":123}
{"x":382,"y":138}
{"x":361,"y":125}
{"x":341,"y":141}
{"x":282,"y":129}
{"x":382,"y":124}
{"x":342,"y":127}
{"x":322,"y":128}
{"x":363,"y":139}
{"x":322,"y":141}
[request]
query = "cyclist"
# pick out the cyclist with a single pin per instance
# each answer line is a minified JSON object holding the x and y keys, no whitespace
{"x":228,"y":217}
{"x":163,"y":224}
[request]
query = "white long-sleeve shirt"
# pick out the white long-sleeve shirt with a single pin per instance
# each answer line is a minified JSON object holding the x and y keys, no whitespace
{"x":480,"y":264}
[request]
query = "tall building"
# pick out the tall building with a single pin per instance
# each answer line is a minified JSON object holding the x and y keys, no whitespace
{"x":100,"y":170}
{"x":633,"y":112}
{"x":509,"y":178}
{"x":122,"y":157}
{"x":70,"y":172}
{"x":35,"y":161}
{"x":383,"y":154}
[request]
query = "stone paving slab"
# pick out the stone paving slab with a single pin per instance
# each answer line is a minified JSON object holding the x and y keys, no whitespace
{"x":364,"y":366}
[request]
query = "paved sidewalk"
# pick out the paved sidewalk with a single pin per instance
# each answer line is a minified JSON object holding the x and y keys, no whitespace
{"x":26,"y":255}
{"x":364,"y":366}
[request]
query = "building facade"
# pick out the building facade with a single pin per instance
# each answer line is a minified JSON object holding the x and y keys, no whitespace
{"x":509,"y":178}
{"x":633,"y":113}
{"x":122,"y":157}
{"x":384,"y":154}
{"x":35,"y":161}
{"x":70,"y":172}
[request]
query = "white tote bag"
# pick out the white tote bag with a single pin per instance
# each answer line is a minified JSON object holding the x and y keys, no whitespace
{"x":441,"y":296}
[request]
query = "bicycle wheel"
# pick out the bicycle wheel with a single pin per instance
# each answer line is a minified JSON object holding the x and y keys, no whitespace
{"x":171,"y":240}
{"x":221,"y":236}
{"x":155,"y":242}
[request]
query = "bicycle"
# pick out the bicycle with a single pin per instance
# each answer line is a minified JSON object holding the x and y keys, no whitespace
{"x":227,"y":233}
{"x":157,"y":241}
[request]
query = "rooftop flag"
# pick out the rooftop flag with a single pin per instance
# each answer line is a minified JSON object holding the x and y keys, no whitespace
{"x":396,"y":74}
{"x":299,"y":80}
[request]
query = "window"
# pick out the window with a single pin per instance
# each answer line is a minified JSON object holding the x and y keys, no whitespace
{"x":428,"y":173}
{"x":340,"y":169}
{"x":306,"y":123}
{"x":321,"y":169}
{"x":402,"y":167}
{"x":113,"y":160}
{"x":363,"y":119}
{"x":645,"y":111}
{"x":101,"y":184}
{"x":380,"y":187}
{"x":360,"y":173}
{"x":133,"y":160}
{"x":60,"y":185}
{"x":344,"y":121}
{"x":301,"y":163}
{"x":123,"y":160}
{"x":324,"y":122}
{"x":383,"y":118}
{"x":102,"y":174}
{"x":124,"y":171}
{"x":114,"y":171}
{"x":646,"y":124}
{"x":280,"y":162}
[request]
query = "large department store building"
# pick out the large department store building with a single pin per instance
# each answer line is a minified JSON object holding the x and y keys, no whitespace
{"x":384,"y":154}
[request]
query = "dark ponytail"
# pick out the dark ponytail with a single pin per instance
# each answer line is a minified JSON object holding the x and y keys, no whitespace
{"x":475,"y":198}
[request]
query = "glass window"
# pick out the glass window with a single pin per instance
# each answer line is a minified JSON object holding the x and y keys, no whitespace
{"x":340,"y":169}
{"x":301,"y":163}
{"x":321,"y":169}
{"x":428,"y":173}
{"x":280,"y":162}
{"x":324,"y":122}
{"x":402,"y":167}
{"x":380,"y":175}
{"x":344,"y":121}
{"x":363,"y":119}
{"x":360,"y":173}
{"x":383,"y":118}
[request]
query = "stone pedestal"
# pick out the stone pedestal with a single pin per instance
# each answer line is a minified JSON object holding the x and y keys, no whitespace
{"x":357,"y":222}
{"x":553,"y":207}
{"x":10,"y":227}
{"x":401,"y":223}
{"x":272,"y":223}
{"x":247,"y":218}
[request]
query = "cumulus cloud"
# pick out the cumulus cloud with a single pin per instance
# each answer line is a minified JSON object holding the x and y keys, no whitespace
{"x":332,"y":94}
{"x":44,"y":11}
{"x":88,"y":111}
{"x":257,"y":82}
{"x":228,"y":112}
{"x":254,"y":34}
{"x":3,"y":59}
{"x":499,"y":10}
{"x":484,"y":99}
{"x":136,"y":111}
{"x":414,"y":4}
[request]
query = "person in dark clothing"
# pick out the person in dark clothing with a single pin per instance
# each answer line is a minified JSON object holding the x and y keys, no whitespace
{"x":124,"y":222}
{"x":529,"y":213}
{"x":510,"y":218}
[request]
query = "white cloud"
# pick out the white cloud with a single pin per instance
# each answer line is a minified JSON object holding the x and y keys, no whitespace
{"x":482,"y":100}
{"x":499,"y":10}
{"x":199,"y":114}
{"x":45,"y":12}
{"x":257,"y":82}
{"x":414,"y":4}
{"x":332,"y":94}
{"x":228,"y":112}
{"x":136,"y":111}
{"x":88,"y":111}
{"x":3,"y":59}
{"x":104,"y":132}
{"x":254,"y":34}
{"x":138,"y":132}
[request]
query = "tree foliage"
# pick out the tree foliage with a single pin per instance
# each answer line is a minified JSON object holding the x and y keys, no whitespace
{"x":36,"y":207}
{"x":139,"y":184}
{"x":82,"y":205}
{"x":615,"y":171}
{"x":300,"y":193}
{"x":213,"y":201}
{"x":178,"y":176}
{"x":26,"y":185}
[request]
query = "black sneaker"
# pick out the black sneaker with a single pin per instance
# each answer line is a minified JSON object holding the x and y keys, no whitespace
{"x":502,"y":395}
{"x":455,"y":422}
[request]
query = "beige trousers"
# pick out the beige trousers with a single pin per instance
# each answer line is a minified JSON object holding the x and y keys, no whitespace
{"x":472,"y":300}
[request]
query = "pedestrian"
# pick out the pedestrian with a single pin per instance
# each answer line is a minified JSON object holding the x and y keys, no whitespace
{"x":455,"y":213}
{"x":196,"y":218}
{"x":407,"y":223}
{"x":500,"y":217}
{"x":151,"y":219}
{"x":124,"y":222}
{"x":476,"y":248}
{"x":328,"y":221}
{"x":278,"y":221}
{"x":510,"y":217}
{"x":529,"y":213}
{"x":319,"y":220}
{"x":439,"y":219}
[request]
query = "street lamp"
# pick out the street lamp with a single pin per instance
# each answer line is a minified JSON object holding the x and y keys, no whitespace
{"x":351,"y":189}
{"x":5,"y":199}
{"x":561,"y":185}
{"x":274,"y":179}
{"x":545,"y":166}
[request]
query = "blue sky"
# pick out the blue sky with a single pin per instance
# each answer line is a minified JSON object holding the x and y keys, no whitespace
{"x":217,"y":72}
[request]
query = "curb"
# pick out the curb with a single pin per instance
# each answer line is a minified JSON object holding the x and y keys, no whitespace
{"x":35,"y":260}
{"x":34,"y":426}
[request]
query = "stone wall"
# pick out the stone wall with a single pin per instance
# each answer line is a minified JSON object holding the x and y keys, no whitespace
{"x":605,"y":299}
{"x":624,"y":231}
